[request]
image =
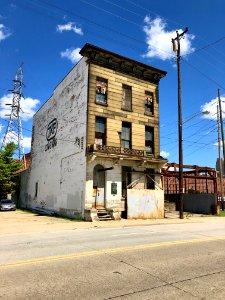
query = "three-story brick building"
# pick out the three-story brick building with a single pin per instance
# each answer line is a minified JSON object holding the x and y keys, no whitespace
{"x":95,"y":143}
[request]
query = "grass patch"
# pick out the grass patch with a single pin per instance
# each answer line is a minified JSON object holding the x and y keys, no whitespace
{"x":54,"y":216}
{"x":66,"y":218}
{"x":25,"y":210}
{"x":221,"y":213}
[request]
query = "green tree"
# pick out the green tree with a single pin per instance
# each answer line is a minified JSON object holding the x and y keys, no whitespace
{"x":9,"y":166}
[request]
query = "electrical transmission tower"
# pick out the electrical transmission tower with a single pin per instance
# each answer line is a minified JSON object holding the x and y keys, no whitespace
{"x":14,"y":128}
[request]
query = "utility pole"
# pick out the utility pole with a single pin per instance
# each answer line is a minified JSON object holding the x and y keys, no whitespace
{"x":13,"y":131}
{"x":222,"y":133}
{"x":219,"y":150}
{"x":176,"y":48}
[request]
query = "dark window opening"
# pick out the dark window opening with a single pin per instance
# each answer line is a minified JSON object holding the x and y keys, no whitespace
{"x":150,"y":179}
{"x":101,"y":90}
{"x":149,"y":140}
{"x":36,"y":189}
{"x":127,"y":97}
{"x":126,"y":180}
{"x":149,"y":103}
{"x":126,"y":135}
{"x":100,"y":131}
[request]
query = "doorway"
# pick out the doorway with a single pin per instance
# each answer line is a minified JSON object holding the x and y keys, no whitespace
{"x":99,"y":185}
{"x":126,"y":180}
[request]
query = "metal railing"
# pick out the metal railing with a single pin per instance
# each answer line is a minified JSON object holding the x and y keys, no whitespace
{"x":118,"y":150}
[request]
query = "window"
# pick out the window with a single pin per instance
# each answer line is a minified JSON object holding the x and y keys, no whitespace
{"x":100,"y":131}
{"x":149,"y":140}
{"x":101,"y":90}
{"x":150,"y":179}
{"x":36,"y":189}
{"x":127,"y":97}
{"x":126,"y":135}
{"x":149,"y":103}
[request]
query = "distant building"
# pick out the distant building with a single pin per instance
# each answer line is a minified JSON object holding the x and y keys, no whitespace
{"x":95,"y":142}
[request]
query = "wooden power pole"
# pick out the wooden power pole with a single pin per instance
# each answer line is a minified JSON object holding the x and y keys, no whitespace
{"x":222,"y":134}
{"x":219,"y":151}
{"x":176,"y":48}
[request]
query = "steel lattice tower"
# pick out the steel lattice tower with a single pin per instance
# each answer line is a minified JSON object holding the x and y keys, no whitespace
{"x":14,"y":128}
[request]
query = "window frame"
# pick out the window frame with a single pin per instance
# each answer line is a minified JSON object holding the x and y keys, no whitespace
{"x":129,"y":125}
{"x":98,"y":134}
{"x":149,"y":104}
{"x":149,"y":142}
{"x":98,"y":88}
{"x":125,"y":106}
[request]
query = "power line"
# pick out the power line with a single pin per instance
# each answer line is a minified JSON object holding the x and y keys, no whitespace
{"x":203,"y":74}
{"x":109,"y":12}
{"x":131,"y":11}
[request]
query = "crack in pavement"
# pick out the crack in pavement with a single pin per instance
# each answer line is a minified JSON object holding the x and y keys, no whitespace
{"x":165,"y":283}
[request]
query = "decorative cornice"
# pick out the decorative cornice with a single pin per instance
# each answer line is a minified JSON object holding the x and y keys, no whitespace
{"x":121,"y":64}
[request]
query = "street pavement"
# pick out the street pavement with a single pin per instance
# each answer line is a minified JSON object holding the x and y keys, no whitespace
{"x":146,"y":259}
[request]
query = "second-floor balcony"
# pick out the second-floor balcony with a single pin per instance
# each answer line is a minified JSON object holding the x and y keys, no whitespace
{"x":111,"y":150}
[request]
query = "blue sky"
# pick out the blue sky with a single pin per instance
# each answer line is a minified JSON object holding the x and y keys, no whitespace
{"x":46,"y":36}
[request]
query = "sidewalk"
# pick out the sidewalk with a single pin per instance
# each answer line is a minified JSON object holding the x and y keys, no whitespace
{"x":27,"y":222}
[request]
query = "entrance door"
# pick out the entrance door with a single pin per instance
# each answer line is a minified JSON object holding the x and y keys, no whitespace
{"x":126,"y":180}
{"x":99,"y":185}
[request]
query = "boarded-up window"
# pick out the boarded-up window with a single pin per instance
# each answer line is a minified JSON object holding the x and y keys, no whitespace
{"x":101,"y":90}
{"x":126,"y":135}
{"x":149,"y":140}
{"x":149,"y":103}
{"x":100,"y":131}
{"x":127,"y":97}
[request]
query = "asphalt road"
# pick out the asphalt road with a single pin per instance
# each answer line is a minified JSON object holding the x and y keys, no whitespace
{"x":170,"y":261}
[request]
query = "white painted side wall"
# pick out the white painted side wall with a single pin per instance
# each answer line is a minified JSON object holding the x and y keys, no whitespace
{"x":61,"y":171}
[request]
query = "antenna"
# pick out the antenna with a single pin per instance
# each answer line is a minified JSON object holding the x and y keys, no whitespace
{"x":14,"y":127}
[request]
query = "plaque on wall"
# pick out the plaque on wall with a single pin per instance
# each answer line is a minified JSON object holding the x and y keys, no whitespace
{"x":114,"y":188}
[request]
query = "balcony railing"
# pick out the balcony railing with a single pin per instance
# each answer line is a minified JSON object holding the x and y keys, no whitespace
{"x":117,"y":150}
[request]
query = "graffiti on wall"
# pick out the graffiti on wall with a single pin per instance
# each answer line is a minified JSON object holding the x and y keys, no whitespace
{"x":51,"y":134}
{"x":80,"y":142}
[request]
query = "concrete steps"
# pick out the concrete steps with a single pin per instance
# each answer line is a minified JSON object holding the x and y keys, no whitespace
{"x":103,"y":215}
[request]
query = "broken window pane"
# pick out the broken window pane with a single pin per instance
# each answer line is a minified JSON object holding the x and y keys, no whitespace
{"x":101,"y":90}
{"x":149,"y":103}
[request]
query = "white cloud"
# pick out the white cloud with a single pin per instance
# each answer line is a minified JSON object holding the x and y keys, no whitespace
{"x":4,"y":32}
{"x":1,"y":127}
{"x":26,"y":142}
{"x":28,"y":107}
{"x":71,"y":26}
{"x":158,"y":40}
{"x":164,"y":154}
{"x":211,"y":107}
{"x":72,"y":54}
{"x":12,"y":137}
